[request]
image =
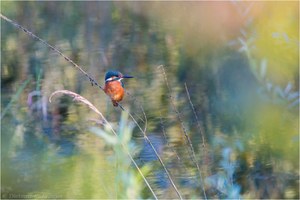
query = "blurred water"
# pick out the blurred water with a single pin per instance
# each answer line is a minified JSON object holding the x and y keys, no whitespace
{"x":245,"y":108}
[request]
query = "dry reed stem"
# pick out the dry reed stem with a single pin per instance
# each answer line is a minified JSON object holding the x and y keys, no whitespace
{"x":155,"y":152}
{"x":139,"y":103}
{"x":200,"y":127}
{"x":168,"y":144}
{"x":149,"y":141}
{"x":77,"y":97}
{"x":93,"y":82}
{"x":184,"y":131}
{"x":165,"y":136}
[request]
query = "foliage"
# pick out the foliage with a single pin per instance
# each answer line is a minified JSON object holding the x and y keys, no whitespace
{"x":232,"y":87}
{"x":128,"y":184}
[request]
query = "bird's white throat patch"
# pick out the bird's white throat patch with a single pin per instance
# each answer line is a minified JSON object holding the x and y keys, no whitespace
{"x":113,"y":79}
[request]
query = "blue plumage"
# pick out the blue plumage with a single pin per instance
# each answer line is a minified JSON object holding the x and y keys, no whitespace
{"x":112,"y":73}
{"x":114,"y":86}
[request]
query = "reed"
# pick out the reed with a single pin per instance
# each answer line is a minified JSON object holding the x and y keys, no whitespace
{"x":78,"y":98}
{"x":183,"y":129}
{"x":93,"y":82}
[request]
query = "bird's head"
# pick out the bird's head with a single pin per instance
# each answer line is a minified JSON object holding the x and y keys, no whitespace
{"x":113,"y":75}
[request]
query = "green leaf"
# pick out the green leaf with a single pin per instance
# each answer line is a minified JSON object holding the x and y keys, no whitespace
{"x":107,"y":137}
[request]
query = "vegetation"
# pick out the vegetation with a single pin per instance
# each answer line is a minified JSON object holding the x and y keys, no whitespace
{"x":212,"y":111}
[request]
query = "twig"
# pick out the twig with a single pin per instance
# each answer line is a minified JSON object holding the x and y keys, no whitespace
{"x":154,"y":150}
{"x":165,"y":136}
{"x":149,"y":141}
{"x":199,"y":125}
{"x":81,"y":99}
{"x":93,"y":82}
{"x":188,"y":140}
{"x":196,"y":116}
{"x":168,"y":144}
{"x":137,"y":102}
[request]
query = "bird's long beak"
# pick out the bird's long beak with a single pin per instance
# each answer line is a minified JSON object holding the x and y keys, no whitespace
{"x":126,"y":76}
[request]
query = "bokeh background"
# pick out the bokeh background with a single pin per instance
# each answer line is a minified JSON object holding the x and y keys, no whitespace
{"x":238,"y":60}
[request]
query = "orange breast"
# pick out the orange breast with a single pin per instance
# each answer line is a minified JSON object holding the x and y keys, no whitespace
{"x":114,"y":90}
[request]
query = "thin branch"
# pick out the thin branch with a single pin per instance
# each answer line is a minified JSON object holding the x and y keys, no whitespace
{"x":149,"y":141}
{"x":184,"y":131}
{"x":168,"y":144}
{"x":165,"y":136}
{"x":196,"y":116}
{"x":77,"y":97}
{"x":199,"y":125}
{"x":136,"y":101}
{"x":154,"y":150}
{"x":93,"y":83}
{"x":92,"y":80}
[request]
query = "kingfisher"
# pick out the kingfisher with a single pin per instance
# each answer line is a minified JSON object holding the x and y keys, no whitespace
{"x":114,"y":87}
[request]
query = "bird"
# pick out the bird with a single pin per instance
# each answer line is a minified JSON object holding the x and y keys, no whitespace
{"x":114,"y":87}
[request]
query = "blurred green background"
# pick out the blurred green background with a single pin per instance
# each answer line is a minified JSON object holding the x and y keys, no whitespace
{"x":239,"y":61}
